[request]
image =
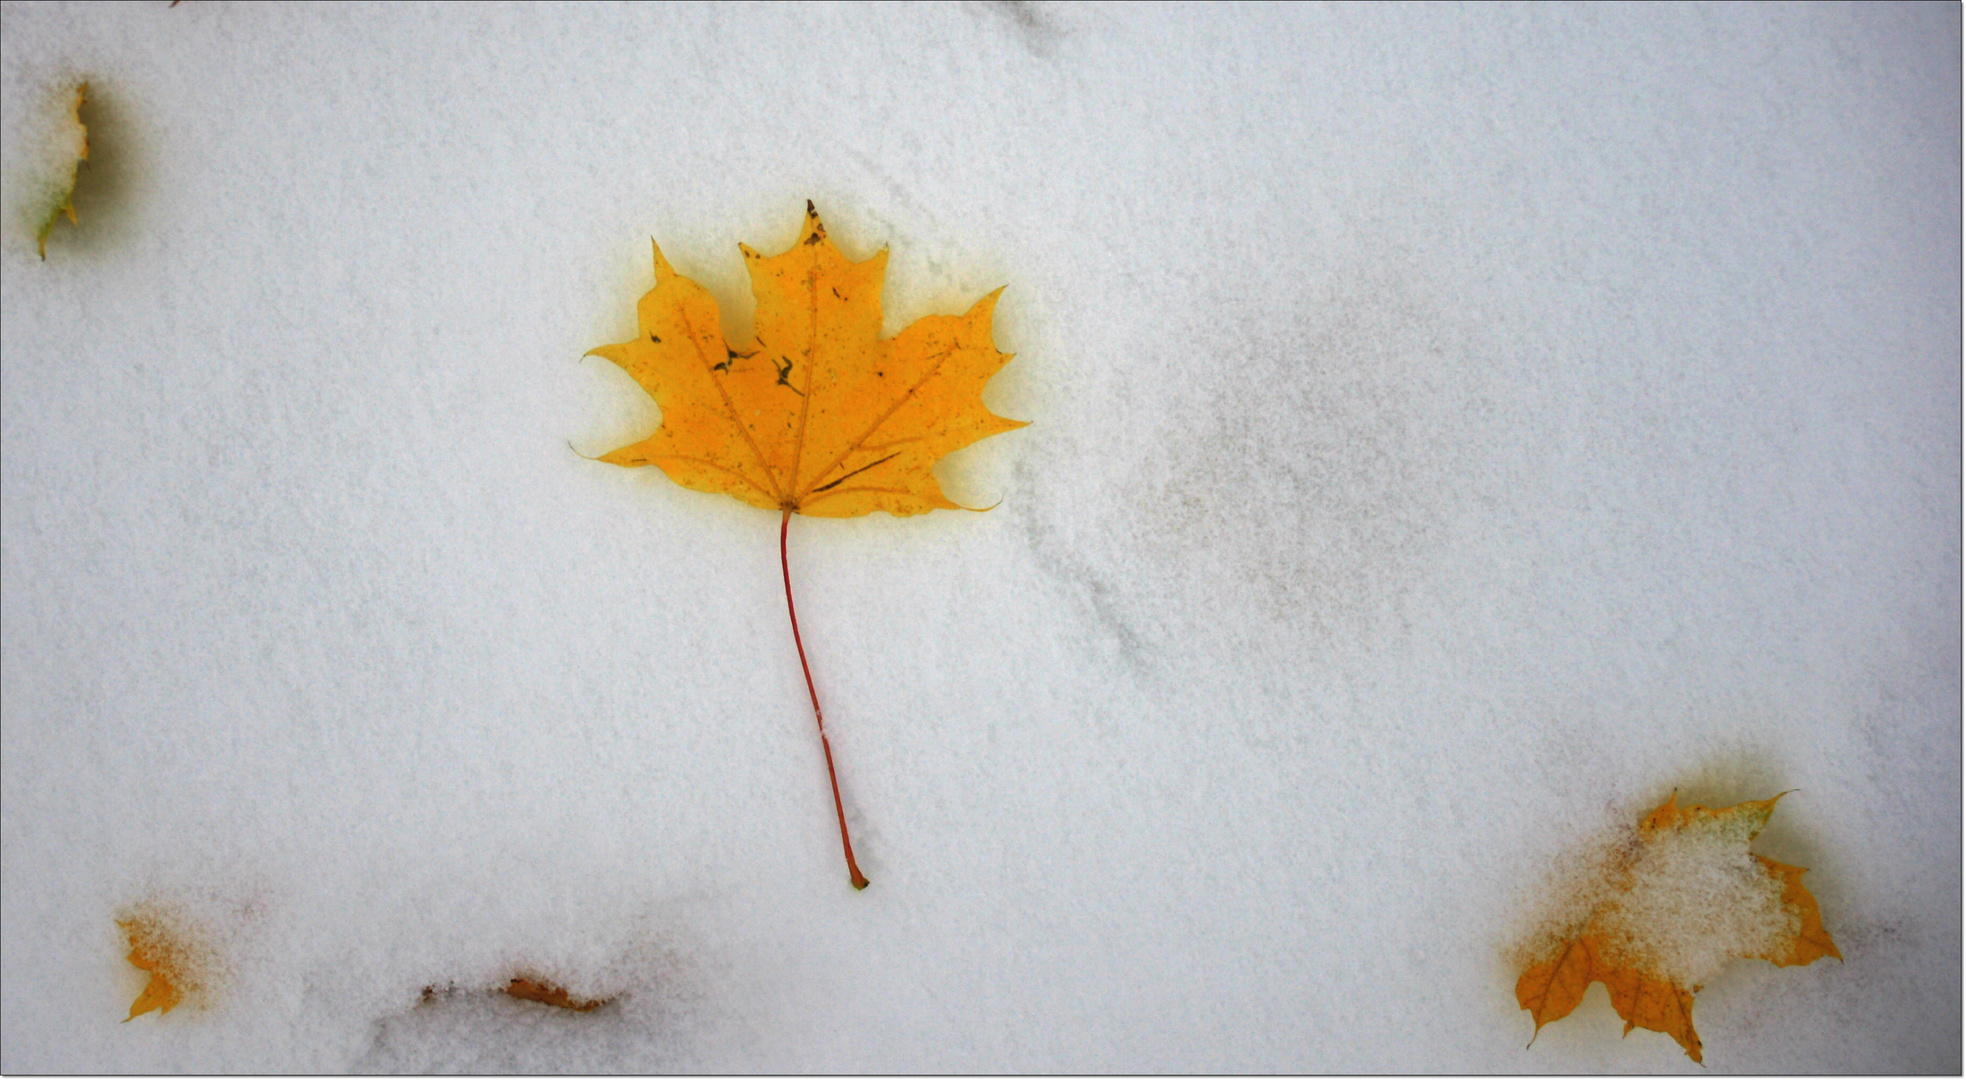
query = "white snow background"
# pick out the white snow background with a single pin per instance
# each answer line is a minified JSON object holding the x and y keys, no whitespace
{"x":1452,"y":430}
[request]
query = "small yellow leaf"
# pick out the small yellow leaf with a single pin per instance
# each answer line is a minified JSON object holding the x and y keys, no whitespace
{"x":74,"y":147}
{"x":158,"y":947}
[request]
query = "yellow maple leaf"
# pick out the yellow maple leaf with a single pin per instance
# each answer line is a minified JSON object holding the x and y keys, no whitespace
{"x":1675,"y":905}
{"x":817,"y":415}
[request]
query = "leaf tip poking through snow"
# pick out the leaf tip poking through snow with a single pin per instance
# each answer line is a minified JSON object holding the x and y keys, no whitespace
{"x":67,"y":149}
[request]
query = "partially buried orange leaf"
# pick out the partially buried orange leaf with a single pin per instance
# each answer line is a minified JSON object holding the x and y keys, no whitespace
{"x":817,"y":415}
{"x":159,"y":947}
{"x":1673,"y":906}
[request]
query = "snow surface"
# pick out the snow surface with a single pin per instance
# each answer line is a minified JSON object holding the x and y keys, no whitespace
{"x":1452,"y":430}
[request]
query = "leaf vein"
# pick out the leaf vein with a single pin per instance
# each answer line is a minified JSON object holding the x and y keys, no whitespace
{"x":933,"y":370}
{"x":730,"y":413}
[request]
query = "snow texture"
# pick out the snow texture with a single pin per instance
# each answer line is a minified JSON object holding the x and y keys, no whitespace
{"x":1678,"y":903}
{"x":1696,"y":903}
{"x":1453,"y":429}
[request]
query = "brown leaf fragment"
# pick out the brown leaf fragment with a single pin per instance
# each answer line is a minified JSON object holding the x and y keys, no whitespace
{"x":548,"y":994}
{"x":525,"y":989}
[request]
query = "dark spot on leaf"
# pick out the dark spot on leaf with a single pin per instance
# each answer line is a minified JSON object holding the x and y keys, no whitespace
{"x":784,"y":366}
{"x":655,"y":339}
